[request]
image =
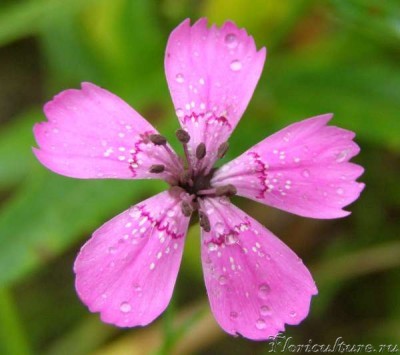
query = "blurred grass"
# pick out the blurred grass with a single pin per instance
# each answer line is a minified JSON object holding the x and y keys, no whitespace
{"x":338,"y":56}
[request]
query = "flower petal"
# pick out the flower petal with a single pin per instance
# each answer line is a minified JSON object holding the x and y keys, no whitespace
{"x":127,"y":270}
{"x":211,"y":74}
{"x":92,"y":133}
{"x":303,"y":169}
{"x":255,"y":283}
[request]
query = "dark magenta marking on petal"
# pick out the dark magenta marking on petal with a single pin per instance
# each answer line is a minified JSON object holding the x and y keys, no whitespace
{"x":262,"y":175}
{"x":158,"y":223}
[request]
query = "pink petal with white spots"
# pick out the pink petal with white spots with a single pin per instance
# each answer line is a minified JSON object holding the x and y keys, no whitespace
{"x":127,"y":270}
{"x":303,"y":169}
{"x":255,"y":283}
{"x":211,"y":74}
{"x":92,"y":133}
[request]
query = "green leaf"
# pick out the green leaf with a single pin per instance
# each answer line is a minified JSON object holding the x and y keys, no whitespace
{"x":376,"y":20}
{"x":16,"y":141}
{"x":13,"y":338}
{"x":50,"y":213}
{"x":364,"y":96}
{"x":27,"y":17}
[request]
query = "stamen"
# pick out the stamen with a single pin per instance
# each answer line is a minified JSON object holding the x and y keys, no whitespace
{"x":212,"y":191}
{"x":186,"y":178}
{"x":222,"y":149}
{"x":204,"y":221}
{"x":227,"y":190}
{"x":157,"y":169}
{"x":186,"y":208}
{"x":158,"y":139}
{"x":201,"y":151}
{"x":182,"y":136}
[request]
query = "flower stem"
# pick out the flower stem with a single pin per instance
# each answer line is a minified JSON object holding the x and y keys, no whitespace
{"x":12,"y":338}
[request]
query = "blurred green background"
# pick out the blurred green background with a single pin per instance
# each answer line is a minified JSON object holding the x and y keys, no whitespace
{"x":338,"y":56}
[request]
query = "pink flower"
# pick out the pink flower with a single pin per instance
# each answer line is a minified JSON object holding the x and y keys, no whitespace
{"x":127,"y":270}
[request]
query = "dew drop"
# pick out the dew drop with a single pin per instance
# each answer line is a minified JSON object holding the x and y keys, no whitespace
{"x":224,"y":201}
{"x":260,"y":324}
{"x":263,"y":291}
{"x":340,"y":191}
{"x":265,"y":311}
{"x":125,"y":307}
{"x":233,"y":315}
{"x":231,"y":239}
{"x":236,"y":65}
{"x":179,"y":78}
{"x":293,"y":314}
{"x":341,"y":157}
{"x":112,"y":250}
{"x":137,"y":288}
{"x":231,"y":40}
{"x":306,"y":173}
{"x":222,"y":280}
{"x":212,"y":246}
{"x":179,"y":112}
{"x":135,"y":212}
{"x":219,"y":227}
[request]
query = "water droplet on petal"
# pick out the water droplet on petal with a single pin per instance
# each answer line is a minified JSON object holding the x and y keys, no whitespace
{"x":231,"y":40}
{"x":340,"y":191}
{"x":260,"y":324}
{"x":306,"y":173}
{"x":224,"y":201}
{"x":236,"y":65}
{"x":293,"y":314}
{"x":135,"y":212}
{"x":212,"y":246}
{"x":265,"y":311}
{"x":137,"y":288}
{"x":125,"y":307}
{"x":263,"y":291}
{"x":231,"y":239}
{"x":233,"y":315}
{"x":341,"y":157}
{"x":179,"y":112}
{"x":222,"y":280}
{"x":179,"y":78}
{"x":112,"y":250}
{"x":219,"y":227}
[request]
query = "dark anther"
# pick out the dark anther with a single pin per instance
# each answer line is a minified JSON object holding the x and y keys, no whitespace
{"x":204,"y":221}
{"x":186,"y":208}
{"x":182,"y":136}
{"x":157,"y":168}
{"x":158,"y":139}
{"x":227,"y":190}
{"x":185,"y":176}
{"x":201,"y":151}
{"x":222,"y":149}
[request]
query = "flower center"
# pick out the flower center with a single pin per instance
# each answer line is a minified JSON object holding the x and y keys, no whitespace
{"x":196,"y":182}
